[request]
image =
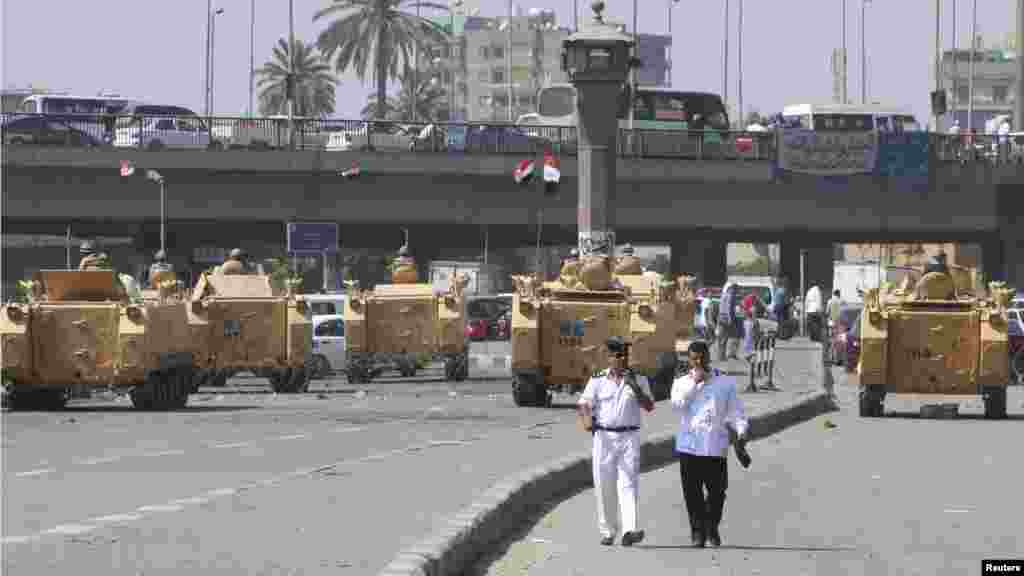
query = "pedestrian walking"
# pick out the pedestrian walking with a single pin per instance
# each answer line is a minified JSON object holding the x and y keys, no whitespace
{"x":728,"y":324}
{"x":610,"y":409}
{"x":710,"y":412}
{"x":835,"y":308}
{"x":814,"y":309}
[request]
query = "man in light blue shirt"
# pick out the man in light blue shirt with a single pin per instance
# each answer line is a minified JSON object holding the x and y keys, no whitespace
{"x":708,"y":407}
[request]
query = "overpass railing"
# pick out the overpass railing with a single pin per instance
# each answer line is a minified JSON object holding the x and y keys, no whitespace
{"x":331,"y":135}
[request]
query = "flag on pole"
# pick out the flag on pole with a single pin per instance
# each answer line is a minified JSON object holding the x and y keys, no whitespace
{"x":523,"y":172}
{"x":351,"y":172}
{"x":552,"y":174}
{"x":127,"y":168}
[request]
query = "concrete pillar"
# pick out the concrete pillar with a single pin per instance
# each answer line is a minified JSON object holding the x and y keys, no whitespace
{"x":1010,"y":208}
{"x":818,"y":261}
{"x":701,"y":256}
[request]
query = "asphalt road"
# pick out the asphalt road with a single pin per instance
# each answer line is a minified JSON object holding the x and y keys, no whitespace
{"x":900,"y":495}
{"x":264,"y":483}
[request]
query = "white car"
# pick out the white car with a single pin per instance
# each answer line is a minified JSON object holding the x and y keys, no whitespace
{"x":329,"y":350}
{"x":269,"y":132}
{"x":376,"y":136}
{"x":183,"y":132}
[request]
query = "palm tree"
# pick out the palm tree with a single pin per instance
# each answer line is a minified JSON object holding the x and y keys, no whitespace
{"x":383,"y":29}
{"x":314,"y":82}
{"x":428,"y":98}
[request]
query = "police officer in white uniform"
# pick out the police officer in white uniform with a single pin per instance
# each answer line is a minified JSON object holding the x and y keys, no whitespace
{"x":709,"y":410}
{"x":610,"y":409}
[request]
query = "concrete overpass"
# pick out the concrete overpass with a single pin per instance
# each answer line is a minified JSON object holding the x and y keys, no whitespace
{"x":696,"y":207}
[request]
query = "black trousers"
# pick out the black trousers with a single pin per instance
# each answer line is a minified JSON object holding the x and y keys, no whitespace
{"x":700,"y":473}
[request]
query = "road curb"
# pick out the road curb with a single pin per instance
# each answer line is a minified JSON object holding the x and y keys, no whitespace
{"x":501,"y":510}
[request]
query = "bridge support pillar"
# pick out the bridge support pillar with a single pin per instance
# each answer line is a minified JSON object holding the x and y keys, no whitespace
{"x":1006,"y":262}
{"x":699,"y":255}
{"x":818,"y":264}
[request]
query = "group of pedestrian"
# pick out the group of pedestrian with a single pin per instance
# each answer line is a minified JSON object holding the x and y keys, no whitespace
{"x":711,"y":417}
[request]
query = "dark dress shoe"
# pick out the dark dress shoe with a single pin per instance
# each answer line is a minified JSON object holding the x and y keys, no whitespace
{"x":697,"y":539}
{"x":630,"y":538}
{"x":714,"y":538}
{"x":607,"y":541}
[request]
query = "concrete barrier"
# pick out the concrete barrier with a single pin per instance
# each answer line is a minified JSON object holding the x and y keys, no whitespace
{"x":503,"y":509}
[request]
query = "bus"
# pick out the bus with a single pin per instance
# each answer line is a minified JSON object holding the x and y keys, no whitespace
{"x":654,"y":109}
{"x":849,"y":118}
{"x":94,"y":115}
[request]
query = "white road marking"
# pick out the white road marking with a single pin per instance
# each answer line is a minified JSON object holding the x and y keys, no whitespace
{"x":116,"y":518}
{"x":221,"y":492}
{"x":164,"y":453}
{"x":161,"y":508}
{"x":70,"y":529}
{"x":101,"y":460}
{"x":344,"y":430}
{"x":14,"y":539}
{"x":955,"y":510}
{"x":36,"y":472}
{"x":190,"y":501}
{"x":292,"y":437}
{"x":230,"y":445}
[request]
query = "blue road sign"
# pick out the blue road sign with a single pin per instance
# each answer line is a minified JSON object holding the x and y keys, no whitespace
{"x":312,"y":237}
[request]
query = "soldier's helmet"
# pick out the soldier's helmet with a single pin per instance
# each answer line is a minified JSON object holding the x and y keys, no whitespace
{"x":160,"y":256}
{"x":403,"y":251}
{"x":88,"y":248}
{"x":574,"y":253}
{"x":237,"y":254}
{"x":627,"y":250}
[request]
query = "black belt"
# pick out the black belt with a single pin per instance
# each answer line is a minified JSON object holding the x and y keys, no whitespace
{"x":616,"y":428}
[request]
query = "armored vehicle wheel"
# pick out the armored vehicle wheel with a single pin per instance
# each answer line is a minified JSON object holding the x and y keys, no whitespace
{"x":22,"y":398}
{"x":871,"y":401}
{"x":406,"y":366}
{"x":321,"y":367}
{"x":460,"y":368}
{"x":995,"y":402}
{"x":218,"y":378}
{"x":299,"y":381}
{"x":164,"y":390}
{"x":661,"y":388}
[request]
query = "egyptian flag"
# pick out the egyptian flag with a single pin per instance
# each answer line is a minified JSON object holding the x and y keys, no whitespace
{"x":351,"y":172}
{"x":552,"y":174}
{"x":523,"y":172}
{"x":127,"y":168}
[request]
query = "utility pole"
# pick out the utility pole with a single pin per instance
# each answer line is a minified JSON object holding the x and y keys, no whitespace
{"x":252,"y":52}
{"x":956,"y":62}
{"x":508,"y":61}
{"x":846,"y":94}
{"x":970,"y":81}
{"x":206,"y":83}
{"x":739,"y":72}
{"x":291,"y":74}
{"x":725,"y":59}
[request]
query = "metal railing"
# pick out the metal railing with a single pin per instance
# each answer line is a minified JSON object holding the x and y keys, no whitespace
{"x":333,"y":135}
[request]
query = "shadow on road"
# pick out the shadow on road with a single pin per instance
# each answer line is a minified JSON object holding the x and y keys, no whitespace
{"x":753,"y":547}
{"x":961,"y":416}
{"x":129,"y":409}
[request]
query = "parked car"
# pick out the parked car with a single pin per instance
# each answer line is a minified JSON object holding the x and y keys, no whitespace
{"x":156,"y":127}
{"x":372,"y":136}
{"x":41,"y":131}
{"x":329,"y":350}
{"x":848,"y":317}
{"x":499,"y":139}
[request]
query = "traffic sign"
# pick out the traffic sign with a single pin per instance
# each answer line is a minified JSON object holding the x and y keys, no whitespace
{"x":312,"y":237}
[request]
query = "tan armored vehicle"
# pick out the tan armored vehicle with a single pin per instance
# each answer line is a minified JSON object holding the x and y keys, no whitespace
{"x":239,"y":324}
{"x":559,"y":328}
{"x":80,"y":330}
{"x":396,"y":324}
{"x":933,"y":335}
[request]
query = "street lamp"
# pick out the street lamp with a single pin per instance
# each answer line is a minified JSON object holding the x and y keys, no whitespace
{"x":252,"y":51}
{"x":725,"y":59}
{"x":970,"y":81}
{"x":863,"y":55}
{"x":739,"y":66}
{"x":597,"y":61}
{"x":632,"y":69}
{"x":671,"y":4}
{"x":210,"y":57}
{"x":290,"y":83}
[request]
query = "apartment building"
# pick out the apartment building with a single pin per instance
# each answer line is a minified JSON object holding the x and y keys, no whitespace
{"x":995,"y":74}
{"x":496,"y":65}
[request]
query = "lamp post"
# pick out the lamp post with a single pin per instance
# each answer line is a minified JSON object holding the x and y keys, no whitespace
{"x":970,"y":81}
{"x":956,"y":62}
{"x":671,"y":5}
{"x":597,"y":61}
{"x":508,"y":63}
{"x":846,"y":99}
{"x":863,"y":55}
{"x":290,"y":83}
{"x":159,"y":179}
{"x":725,"y":59}
{"x":632,"y":69}
{"x":938,"y":52}
{"x":739,"y":66}
{"x":252,"y":51}
{"x":206,"y":67}
{"x":213,"y":38}
{"x":1018,"y":106}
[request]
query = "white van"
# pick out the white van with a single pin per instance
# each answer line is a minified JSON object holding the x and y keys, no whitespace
{"x":324,"y":304}
{"x":329,"y":349}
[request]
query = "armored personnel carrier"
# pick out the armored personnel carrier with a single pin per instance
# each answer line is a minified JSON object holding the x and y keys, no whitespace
{"x":559,"y":328}
{"x":395,"y":324}
{"x":932,"y":335}
{"x":239,"y":324}
{"x":80,"y":330}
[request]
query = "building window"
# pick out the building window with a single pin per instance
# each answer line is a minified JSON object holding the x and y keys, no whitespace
{"x":963,"y":93}
{"x":497,"y":52}
{"x":483,"y":52}
{"x":999,"y":94}
{"x":498,"y":76}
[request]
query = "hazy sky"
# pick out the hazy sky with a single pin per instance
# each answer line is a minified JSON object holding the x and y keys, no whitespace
{"x":155,"y":50}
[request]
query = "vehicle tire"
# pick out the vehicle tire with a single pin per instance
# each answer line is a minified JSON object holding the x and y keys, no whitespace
{"x":281,"y":380}
{"x":299,"y":381}
{"x":321,"y":367}
{"x":665,"y":374}
{"x":523,"y":390}
{"x":871,"y":401}
{"x":155,"y":145}
{"x":219,"y":378}
{"x":1017,"y":367}
{"x":461,"y":368}
{"x":995,"y":402}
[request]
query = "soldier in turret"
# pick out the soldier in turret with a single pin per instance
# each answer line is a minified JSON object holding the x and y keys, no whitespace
{"x":234,"y":265}
{"x":403,"y":269}
{"x":91,"y":258}
{"x":628,"y":263}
